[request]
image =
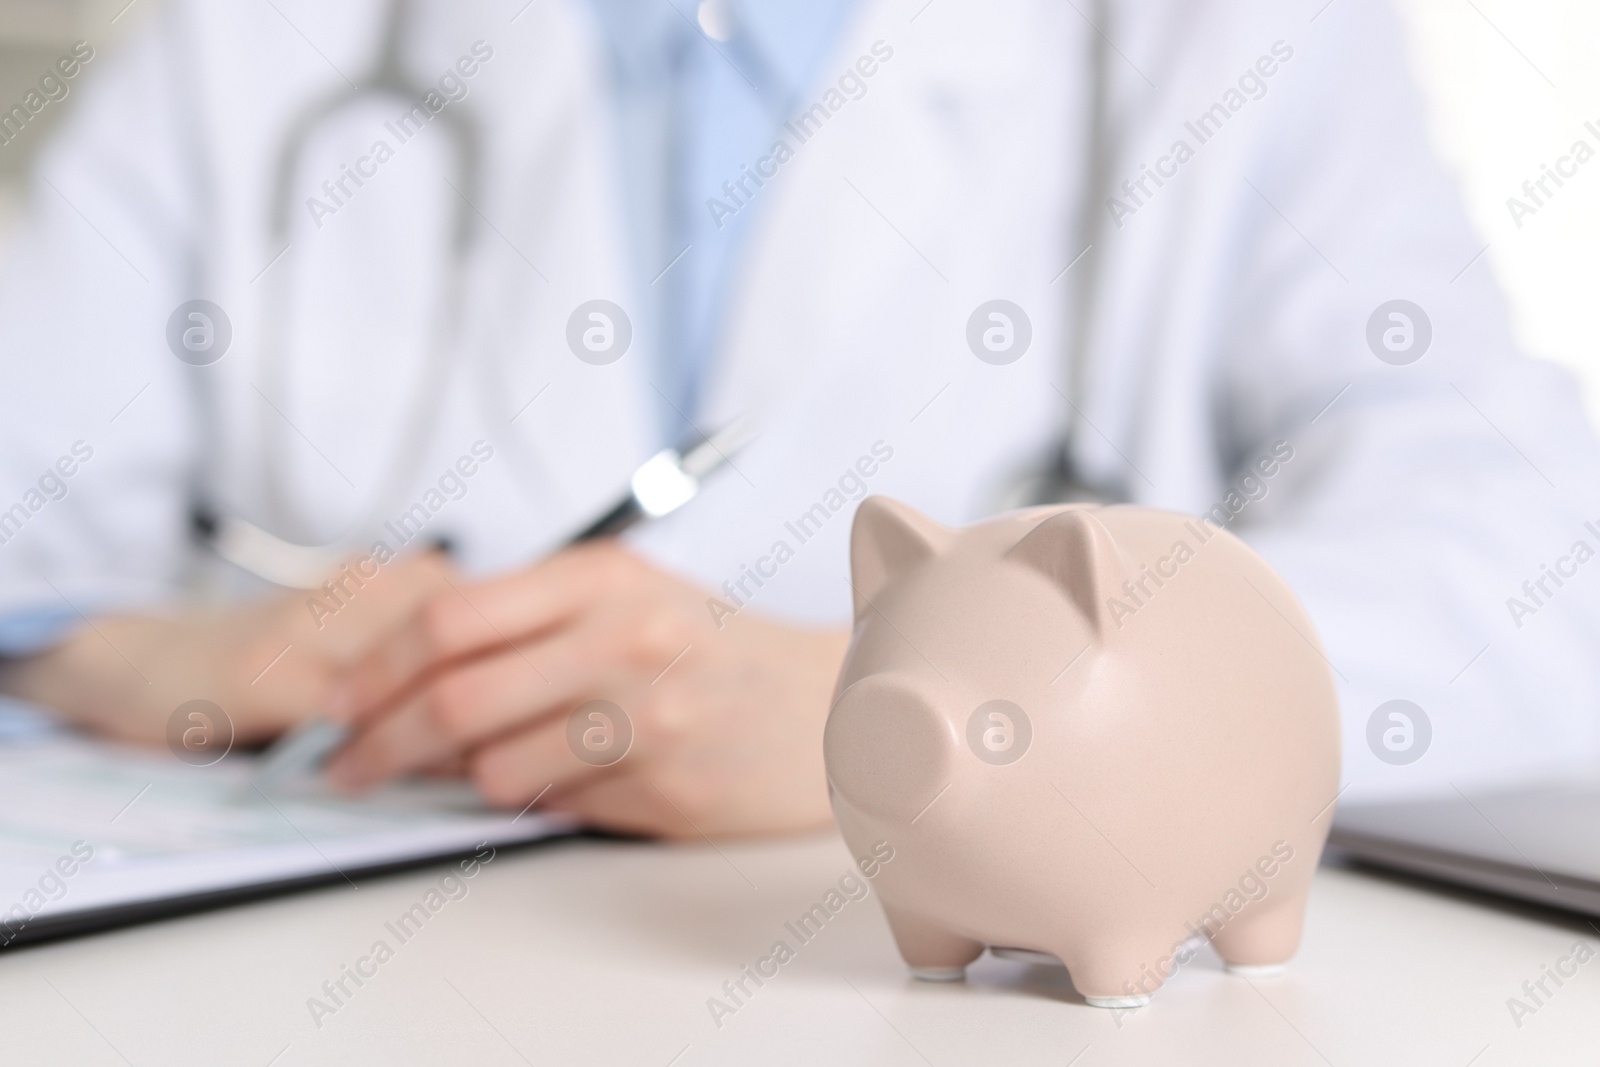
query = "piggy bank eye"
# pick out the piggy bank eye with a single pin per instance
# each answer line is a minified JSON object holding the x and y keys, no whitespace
{"x":887,"y":750}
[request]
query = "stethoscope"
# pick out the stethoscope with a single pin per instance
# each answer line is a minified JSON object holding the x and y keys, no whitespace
{"x":251,"y":547}
{"x":276,"y":559}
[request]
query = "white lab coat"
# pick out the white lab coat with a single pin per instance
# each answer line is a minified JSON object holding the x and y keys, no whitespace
{"x":1230,"y":312}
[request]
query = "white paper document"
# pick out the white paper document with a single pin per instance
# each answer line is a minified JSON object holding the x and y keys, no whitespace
{"x":87,"y":828}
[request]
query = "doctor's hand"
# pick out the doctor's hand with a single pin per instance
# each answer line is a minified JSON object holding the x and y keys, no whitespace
{"x":725,"y":725}
{"x":267,"y":664}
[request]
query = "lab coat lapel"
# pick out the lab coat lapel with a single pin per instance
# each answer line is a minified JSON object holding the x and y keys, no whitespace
{"x":883,"y":232}
{"x":578,"y":414}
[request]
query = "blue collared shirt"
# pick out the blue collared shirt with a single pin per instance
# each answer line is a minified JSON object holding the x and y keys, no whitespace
{"x":694,"y":113}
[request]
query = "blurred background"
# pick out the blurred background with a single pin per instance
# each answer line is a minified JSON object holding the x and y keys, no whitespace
{"x":33,"y":34}
{"x":1510,"y":84}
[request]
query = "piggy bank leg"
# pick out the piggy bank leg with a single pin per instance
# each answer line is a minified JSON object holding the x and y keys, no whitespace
{"x":1118,"y":972}
{"x":1259,"y":943}
{"x":933,"y":953}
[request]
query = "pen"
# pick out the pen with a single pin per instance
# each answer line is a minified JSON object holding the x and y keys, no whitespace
{"x":662,"y":484}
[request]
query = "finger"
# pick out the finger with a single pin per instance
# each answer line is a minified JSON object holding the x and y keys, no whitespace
{"x":468,"y":704}
{"x":622,"y":803}
{"x":397,"y":662}
{"x":362,"y":605}
{"x":535,"y":599}
{"x":396,"y":742}
{"x":530,"y":765}
{"x":319,"y":638}
{"x":454,"y":767}
{"x":465,"y":619}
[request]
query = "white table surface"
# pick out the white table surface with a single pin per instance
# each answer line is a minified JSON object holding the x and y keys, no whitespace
{"x":590,"y":952}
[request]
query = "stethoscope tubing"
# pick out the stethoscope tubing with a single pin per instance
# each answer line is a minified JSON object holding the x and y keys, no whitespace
{"x":389,"y":79}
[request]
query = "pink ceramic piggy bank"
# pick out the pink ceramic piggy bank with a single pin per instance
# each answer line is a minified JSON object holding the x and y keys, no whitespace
{"x":1089,"y":732}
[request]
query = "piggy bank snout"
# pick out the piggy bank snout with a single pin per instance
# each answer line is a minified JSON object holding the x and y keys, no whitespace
{"x":887,"y":748}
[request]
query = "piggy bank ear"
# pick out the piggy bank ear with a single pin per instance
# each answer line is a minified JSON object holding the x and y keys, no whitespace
{"x":1075,"y":551}
{"x":887,"y":538}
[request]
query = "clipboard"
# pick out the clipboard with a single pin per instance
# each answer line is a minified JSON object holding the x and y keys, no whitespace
{"x":95,"y":835}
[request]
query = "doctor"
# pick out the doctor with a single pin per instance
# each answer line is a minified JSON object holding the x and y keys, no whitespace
{"x":465,"y":265}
